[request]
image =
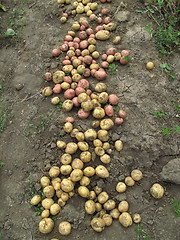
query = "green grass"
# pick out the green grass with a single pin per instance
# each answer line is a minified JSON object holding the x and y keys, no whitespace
{"x":113,"y":69}
{"x":160,"y":114}
{"x":1,"y":164}
{"x":176,"y":205}
{"x":141,"y":234}
{"x":168,"y":70}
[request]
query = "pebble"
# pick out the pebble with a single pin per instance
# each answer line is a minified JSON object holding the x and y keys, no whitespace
{"x":122,"y":16}
{"x":53,"y":145}
{"x":19,"y":86}
{"x":171,"y":171}
{"x":8,"y":225}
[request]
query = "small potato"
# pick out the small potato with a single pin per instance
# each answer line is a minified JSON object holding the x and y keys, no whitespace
{"x":89,"y":171}
{"x":129,"y":181}
{"x":83,"y":146}
{"x":100,"y":87}
{"x":102,"y":213}
{"x":118,"y":145}
{"x":83,"y":191}
{"x":103,"y":135}
{"x":123,"y":206}
{"x":110,"y":59}
{"x":49,"y":191}
{"x":95,"y":54}
{"x":91,"y":48}
{"x":71,"y":148}
{"x":67,"y":105}
{"x":85,"y":156}
{"x":80,"y":136}
{"x":92,"y":41}
{"x":121,"y":187}
{"x":35,"y":200}
{"x":80,"y":69}
{"x":61,"y":202}
{"x":45,"y":213}
{"x":97,"y":143}
{"x":64,"y":228}
{"x":106,"y":146}
{"x":76,"y":26}
{"x":99,"y":151}
{"x":117,"y":56}
{"x":103,"y":197}
{"x":116,"y":40}
{"x":45,"y":181}
{"x":97,"y":189}
{"x":150,"y":65}
{"x":90,"y":207}
{"x":106,"y":124}
{"x":98,"y":207}
{"x":115,"y":213}
{"x":103,"y":97}
{"x":98,"y":224}
{"x":47,"y":202}
{"x":136,"y":218}
{"x":95,"y":124}
{"x":77,"y":164}
{"x":66,"y":158}
{"x":54,"y":172}
{"x":85,"y":181}
{"x":102,"y":172}
{"x":109,"y":205}
{"x":76,"y":175}
{"x":55,"y":100}
{"x":65,"y":169}
{"x":98,"y":113}
{"x":55,"y":209}
{"x":94,"y":95}
{"x":64,"y":196}
{"x":67,"y":185}
{"x":61,"y":144}
{"x":47,"y":91}
{"x":92,"y":195}
{"x":90,"y":135}
{"x":46,"y":225}
{"x":157,"y":191}
{"x":65,"y":85}
{"x":105,"y":159}
{"x":68,"y":127}
{"x":107,"y":219}
{"x":74,"y":132}
{"x":95,"y":103}
{"x":136,"y":175}
{"x":76,"y":77}
{"x":125,"y":219}
{"x":56,"y":183}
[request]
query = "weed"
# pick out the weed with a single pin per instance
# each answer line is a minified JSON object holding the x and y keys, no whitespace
{"x":113,"y":69}
{"x":3,"y":118}
{"x":1,"y":164}
{"x":126,"y":58}
{"x":160,"y":114}
{"x":166,"y":131}
{"x":2,"y":7}
{"x":176,"y":204}
{"x":141,"y":233}
{"x":60,"y":105}
{"x":1,"y":236}
{"x":168,"y":70}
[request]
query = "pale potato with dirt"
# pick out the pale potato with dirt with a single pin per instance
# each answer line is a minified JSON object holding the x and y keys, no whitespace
{"x":97,"y":224}
{"x":83,"y":146}
{"x":66,"y":158}
{"x":76,"y":175}
{"x":67,"y":185}
{"x":67,"y":105}
{"x":123,"y":206}
{"x":87,"y":105}
{"x":129,"y":181}
{"x":45,"y":213}
{"x":35,"y":200}
{"x":83,"y":191}
{"x":97,"y":143}
{"x":157,"y":191}
{"x":106,"y":124}
{"x":82,"y":97}
{"x":85,"y":181}
{"x":105,"y":159}
{"x":64,"y":228}
{"x":102,"y":35}
{"x":95,"y":124}
{"x":89,"y":171}
{"x":58,"y":77}
{"x":103,"y":135}
{"x":68,"y":127}
{"x":64,"y":196}
{"x":125,"y":219}
{"x":74,"y":132}
{"x":109,"y":205}
{"x":102,"y":172}
{"x":55,"y":209}
{"x":61,"y":202}
{"x":47,"y":202}
{"x":47,"y":91}
{"x":119,"y":145}
{"x":65,"y":169}
{"x":99,"y":151}
{"x":80,"y":136}
{"x":103,"y":97}
{"x":121,"y":187}
{"x":85,"y":156}
{"x":90,"y":207}
{"x":92,"y":195}
{"x":46,"y":225}
{"x":100,"y":87}
{"x":71,"y":148}
{"x":98,"y":113}
{"x":77,"y":164}
{"x":45,"y":181}
{"x":55,"y":100}
{"x":103,"y":197}
{"x":61,"y":144}
{"x":90,"y":135}
{"x":49,"y":191}
{"x":136,"y":218}
{"x":54,"y":172}
{"x":136,"y":175}
{"x":106,"y":145}
{"x":56,"y":183}
{"x":107,"y":219}
{"x":115,"y":213}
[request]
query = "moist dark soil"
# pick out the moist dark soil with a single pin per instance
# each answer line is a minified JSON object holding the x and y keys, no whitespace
{"x":31,"y":125}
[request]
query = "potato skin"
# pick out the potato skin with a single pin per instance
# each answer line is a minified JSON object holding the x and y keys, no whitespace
{"x":64,"y":228}
{"x":102,"y":172}
{"x":46,"y":225}
{"x":102,"y":35}
{"x":47,"y":202}
{"x":35,"y":200}
{"x":45,"y":181}
{"x":157,"y":191}
{"x":67,"y":185}
{"x":123,"y":206}
{"x":55,"y":209}
{"x":97,"y":224}
{"x":90,"y":207}
{"x":109,"y":205}
{"x":136,"y":175}
{"x":103,"y":197}
{"x":125,"y":219}
{"x":49,"y":191}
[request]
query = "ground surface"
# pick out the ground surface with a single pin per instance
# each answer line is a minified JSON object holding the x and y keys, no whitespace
{"x":28,"y":156}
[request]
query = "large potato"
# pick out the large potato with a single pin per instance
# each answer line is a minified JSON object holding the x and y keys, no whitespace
{"x":49,"y":191}
{"x":89,"y":171}
{"x":76,"y":175}
{"x":90,"y":207}
{"x":102,"y":35}
{"x":82,"y":97}
{"x":98,"y":112}
{"x":83,"y":191}
{"x":123,"y":206}
{"x":103,"y":197}
{"x":100,"y":87}
{"x":107,"y":219}
{"x":54,"y":172}
{"x":35,"y":200}
{"x":90,"y":135}
{"x":102,"y":172}
{"x":65,"y":169}
{"x":46,"y":225}
{"x":61,"y":144}
{"x":71,"y":148}
{"x":157,"y":191}
{"x":115,"y":213}
{"x":58,"y":77}
{"x":83,"y":146}
{"x":125,"y":219}
{"x":103,"y":135}
{"x":109,"y":205}
{"x":55,"y":209}
{"x":121,"y":187}
{"x":106,"y":124}
{"x":97,"y":224}
{"x":136,"y":175}
{"x":67,"y":105}
{"x":87,"y":105}
{"x":99,"y":151}
{"x":97,"y":143}
{"x":80,"y":136}
{"x":85,"y":181}
{"x":103,"y":97}
{"x":77,"y":164}
{"x":85,"y":156}
{"x":67,"y":185}
{"x":64,"y":228}
{"x":47,"y":202}
{"x":45,"y":181}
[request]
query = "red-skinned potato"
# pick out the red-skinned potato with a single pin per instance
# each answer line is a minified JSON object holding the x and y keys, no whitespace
{"x":69,"y":93}
{"x":68,"y":38}
{"x":92,"y":17}
{"x":48,"y":76}
{"x":82,"y":35}
{"x":119,"y":121}
{"x":83,"y":44}
{"x":64,"y":47}
{"x":56,"y":52}
{"x":104,"y":57}
{"x":75,"y":102}
{"x":87,"y":59}
{"x":124,"y":53}
{"x":107,"y":20}
{"x":98,"y":28}
{"x":105,"y":11}
{"x":111,"y":51}
{"x":89,"y":31}
{"x":83,"y":83}
{"x":99,"y":19}
{"x":122,"y":114}
{"x":100,"y":74}
{"x":113,"y":99}
{"x":123,"y":61}
{"x":57,"y":88}
{"x":76,"y":39}
{"x":68,"y":79}
{"x":104,"y":64}
{"x":109,"y":110}
{"x":87,"y":72}
{"x":85,"y":23}
{"x":79,"y":90}
{"x":83,"y":114}
{"x":70,"y":119}
{"x":66,"y":62}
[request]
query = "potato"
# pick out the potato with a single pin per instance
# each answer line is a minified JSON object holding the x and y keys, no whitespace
{"x":102,"y":213}
{"x":61,"y":202}
{"x":59,"y":192}
{"x":85,"y":52}
{"x":150,"y":65}
{"x":98,"y":112}
{"x":87,"y":105}
{"x":74,"y":132}
{"x":61,"y":144}
{"x":83,"y":191}
{"x":110,"y":59}
{"x":35,"y":200}
{"x":76,"y":62}
{"x":106,"y":146}
{"x":54,"y":172}
{"x":49,"y":191}
{"x":136,"y":218}
{"x":97,"y":190}
{"x":116,"y":40}
{"x":103,"y":135}
{"x":110,"y":26}
{"x":118,"y":145}
{"x":98,"y":207}
{"x":46,"y":225}
{"x":45,"y":181}
{"x":109,"y":205}
{"x":106,"y":124}
{"x":103,"y":197}
{"x":80,"y":136}
{"x":89,"y":171}
{"x":157,"y":191}
{"x":47,"y":91}
{"x":65,"y":169}
{"x":56,"y":183}
{"x":80,"y":69}
{"x":82,"y":97}
{"x":55,"y":209}
{"x":92,"y":41}
{"x":83,"y":146}
{"x":85,"y":181}
{"x":85,"y":156}
{"x":67,"y":185}
{"x":90,"y":135}
{"x":136,"y":175}
{"x":77,"y":164}
{"x":121,"y":187}
{"x":105,"y":159}
{"x":102,"y":35}
{"x":71,"y":148}
{"x":76,"y":175}
{"x":67,"y":105}
{"x":47,"y":202}
{"x":71,"y":194}
{"x":102,"y":172}
{"x":93,"y":6}
{"x":66,"y":158}
{"x":76,"y":77}
{"x":99,"y":151}
{"x":94,"y":66}
{"x":95,"y":54}
{"x":55,"y":100}
{"x":97,"y":143}
{"x":64,"y":196}
{"x":71,"y":33}
{"x":125,"y":219}
{"x":92,"y":195}
{"x":123,"y":206}
{"x":103,"y":97}
{"x":80,"y":9}
{"x":91,"y":48}
{"x":65,"y":85}
{"x":95,"y":124}
{"x":115,"y":213}
{"x":97,"y":224}
{"x":64,"y":228}
{"x":45,"y":213}
{"x":68,"y":127}
{"x":129,"y":181}
{"x":107,"y":219}
{"x":100,"y":87}
{"x":95,"y":103}
{"x":90,"y":207}
{"x":58,"y":77}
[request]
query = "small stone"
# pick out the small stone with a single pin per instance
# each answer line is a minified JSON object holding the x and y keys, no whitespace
{"x":53,"y":145}
{"x":37,"y":186}
{"x":121,"y":177}
{"x":8,"y":225}
{"x":36,"y":147}
{"x":171,"y":171}
{"x":19,"y":86}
